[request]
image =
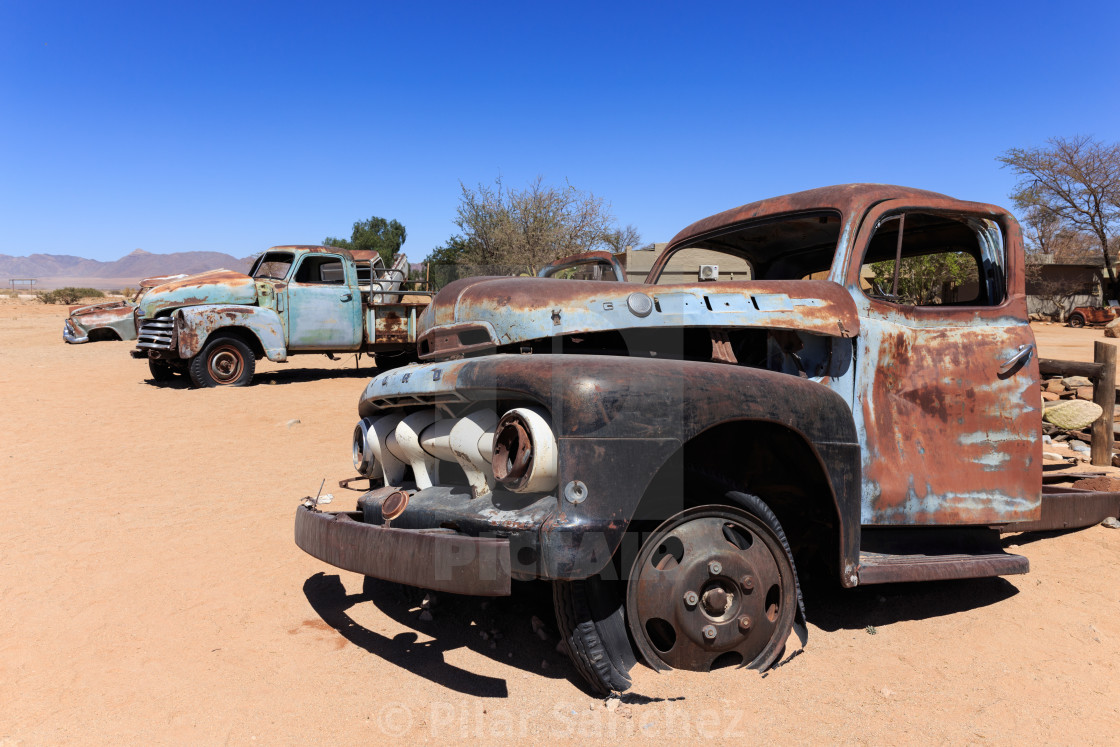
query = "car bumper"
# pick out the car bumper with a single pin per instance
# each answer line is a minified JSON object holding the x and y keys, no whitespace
{"x":71,"y":334}
{"x":437,"y":559}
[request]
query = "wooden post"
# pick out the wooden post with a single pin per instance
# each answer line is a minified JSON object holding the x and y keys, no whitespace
{"x":1104,"y":394}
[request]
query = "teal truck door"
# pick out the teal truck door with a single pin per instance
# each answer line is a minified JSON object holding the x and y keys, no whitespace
{"x":947,"y":383}
{"x":324,"y":307}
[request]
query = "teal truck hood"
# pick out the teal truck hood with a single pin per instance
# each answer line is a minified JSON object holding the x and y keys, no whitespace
{"x":215,"y":286}
{"x":510,"y":310}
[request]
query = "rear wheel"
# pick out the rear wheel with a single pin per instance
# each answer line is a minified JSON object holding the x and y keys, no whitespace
{"x":1076,"y":320}
{"x":225,"y":361}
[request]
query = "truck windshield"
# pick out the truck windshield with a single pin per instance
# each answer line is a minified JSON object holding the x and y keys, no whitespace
{"x":785,"y":248}
{"x":273,"y":265}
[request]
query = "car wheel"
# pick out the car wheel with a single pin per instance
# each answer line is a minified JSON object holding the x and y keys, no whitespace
{"x":161,"y":370}
{"x":591,"y":620}
{"x":1077,"y":320}
{"x":714,"y":586}
{"x":225,"y":361}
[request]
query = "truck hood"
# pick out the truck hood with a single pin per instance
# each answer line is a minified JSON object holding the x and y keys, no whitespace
{"x":215,"y":286}
{"x":511,"y":310}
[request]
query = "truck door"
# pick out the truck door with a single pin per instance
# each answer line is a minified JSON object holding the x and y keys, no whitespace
{"x":947,"y":384}
{"x":324,"y":306}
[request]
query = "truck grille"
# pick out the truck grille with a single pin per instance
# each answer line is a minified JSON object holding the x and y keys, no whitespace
{"x":157,"y":334}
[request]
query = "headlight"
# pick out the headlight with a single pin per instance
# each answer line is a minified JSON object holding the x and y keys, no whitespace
{"x":525,"y":451}
{"x":364,"y":460}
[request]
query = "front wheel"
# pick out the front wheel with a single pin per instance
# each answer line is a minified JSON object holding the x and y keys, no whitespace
{"x":225,"y":361}
{"x":161,"y":370}
{"x":590,"y":617}
{"x":714,"y":586}
{"x":1077,"y":321}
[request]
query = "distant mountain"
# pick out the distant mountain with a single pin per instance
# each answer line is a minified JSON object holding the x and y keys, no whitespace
{"x":51,"y":270}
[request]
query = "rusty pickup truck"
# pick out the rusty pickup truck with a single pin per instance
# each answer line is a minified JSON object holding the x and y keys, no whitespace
{"x":214,"y":326}
{"x":779,"y":397}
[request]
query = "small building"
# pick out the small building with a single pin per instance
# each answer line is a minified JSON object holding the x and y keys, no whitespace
{"x":1057,"y":284}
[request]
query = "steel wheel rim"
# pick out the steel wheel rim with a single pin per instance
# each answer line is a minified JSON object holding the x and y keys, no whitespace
{"x":685,"y":613}
{"x":225,"y":364}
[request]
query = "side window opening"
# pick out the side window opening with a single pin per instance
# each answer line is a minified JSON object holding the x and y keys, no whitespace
{"x":921,"y":259}
{"x":321,"y":270}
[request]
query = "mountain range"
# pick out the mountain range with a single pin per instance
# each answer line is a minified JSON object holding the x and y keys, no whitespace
{"x":55,"y":270}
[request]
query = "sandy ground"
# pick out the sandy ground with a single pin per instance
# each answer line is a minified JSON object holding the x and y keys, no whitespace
{"x":151,"y":592}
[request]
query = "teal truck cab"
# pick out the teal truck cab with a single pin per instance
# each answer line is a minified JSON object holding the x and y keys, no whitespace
{"x":214,"y":326}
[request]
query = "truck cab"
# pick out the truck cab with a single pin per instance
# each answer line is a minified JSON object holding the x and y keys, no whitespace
{"x":294,"y":300}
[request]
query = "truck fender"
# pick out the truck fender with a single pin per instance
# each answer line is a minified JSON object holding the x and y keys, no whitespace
{"x":195,"y":324}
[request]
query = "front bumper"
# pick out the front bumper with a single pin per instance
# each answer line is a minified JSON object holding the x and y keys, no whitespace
{"x":437,"y":559}
{"x":71,"y":334}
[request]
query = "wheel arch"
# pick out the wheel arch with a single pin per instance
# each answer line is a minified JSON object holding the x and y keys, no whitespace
{"x":811,"y":491}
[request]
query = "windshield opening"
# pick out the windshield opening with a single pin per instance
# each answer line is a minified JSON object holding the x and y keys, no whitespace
{"x":273,"y":265}
{"x":785,"y":248}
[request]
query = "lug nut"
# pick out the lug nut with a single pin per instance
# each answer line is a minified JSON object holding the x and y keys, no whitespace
{"x":747,"y":583}
{"x":744,"y":623}
{"x":691,"y":598}
{"x":715,"y":568}
{"x":709,"y":632}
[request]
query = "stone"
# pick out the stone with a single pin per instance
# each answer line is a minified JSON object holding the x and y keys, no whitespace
{"x":1055,"y":386}
{"x":1047,"y":440}
{"x":1072,"y":415}
{"x":1074,"y":382}
{"x":1085,"y":392}
{"x":1050,"y":397}
{"x":1080,"y":447}
{"x":1051,"y":456}
{"x":1111,"y":522}
{"x":1112,"y":329}
{"x":426,"y":616}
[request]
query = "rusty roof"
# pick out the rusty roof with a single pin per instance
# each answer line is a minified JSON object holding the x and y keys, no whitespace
{"x":844,"y":198}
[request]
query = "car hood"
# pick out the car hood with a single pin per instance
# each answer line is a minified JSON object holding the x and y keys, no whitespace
{"x":510,"y":310}
{"x":215,"y":286}
{"x":123,"y":307}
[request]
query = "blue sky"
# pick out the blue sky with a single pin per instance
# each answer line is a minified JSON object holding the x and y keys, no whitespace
{"x":235,"y":126}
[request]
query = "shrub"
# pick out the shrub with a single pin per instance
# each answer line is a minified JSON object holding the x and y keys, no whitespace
{"x":69,"y":295}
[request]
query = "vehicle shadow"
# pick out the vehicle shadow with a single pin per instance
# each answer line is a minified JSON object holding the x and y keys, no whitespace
{"x":832,"y":608}
{"x":499,"y":628}
{"x":287,"y":376}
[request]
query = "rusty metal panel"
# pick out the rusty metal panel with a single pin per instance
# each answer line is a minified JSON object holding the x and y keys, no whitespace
{"x":522,"y":309}
{"x":948,"y":438}
{"x":431,"y":559}
{"x":215,"y":287}
{"x":114,"y":315}
{"x":195,"y":324}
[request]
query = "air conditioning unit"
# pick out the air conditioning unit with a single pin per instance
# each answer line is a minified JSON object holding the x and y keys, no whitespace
{"x":709,"y":272}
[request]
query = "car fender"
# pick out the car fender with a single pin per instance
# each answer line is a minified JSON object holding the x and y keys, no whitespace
{"x":194,"y":325}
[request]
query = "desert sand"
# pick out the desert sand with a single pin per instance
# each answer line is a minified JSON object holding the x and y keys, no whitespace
{"x":151,"y":592}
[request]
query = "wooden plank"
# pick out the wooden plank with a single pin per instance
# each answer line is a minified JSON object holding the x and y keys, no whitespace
{"x":1056,"y":367}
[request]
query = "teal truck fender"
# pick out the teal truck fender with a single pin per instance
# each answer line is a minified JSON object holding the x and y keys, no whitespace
{"x":196,"y":324}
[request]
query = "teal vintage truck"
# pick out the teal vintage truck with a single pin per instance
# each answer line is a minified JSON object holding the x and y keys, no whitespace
{"x":214,"y":326}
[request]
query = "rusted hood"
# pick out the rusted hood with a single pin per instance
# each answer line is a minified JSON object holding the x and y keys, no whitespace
{"x":215,"y":286}
{"x":519,"y":309}
{"x":121,"y":307}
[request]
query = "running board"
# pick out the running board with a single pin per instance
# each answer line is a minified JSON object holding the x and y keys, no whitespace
{"x":902,"y":555}
{"x":878,"y":568}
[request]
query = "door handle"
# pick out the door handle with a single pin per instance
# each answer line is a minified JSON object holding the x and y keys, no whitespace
{"x":346,"y":297}
{"x":1021,"y":357}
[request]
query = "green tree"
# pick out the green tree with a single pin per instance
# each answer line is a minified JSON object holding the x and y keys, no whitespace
{"x":926,"y":279}
{"x":531,"y":227}
{"x":1072,"y":184}
{"x":376,"y":234}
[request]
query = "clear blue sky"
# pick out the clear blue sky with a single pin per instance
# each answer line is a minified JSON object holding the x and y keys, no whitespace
{"x":234,"y":126}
